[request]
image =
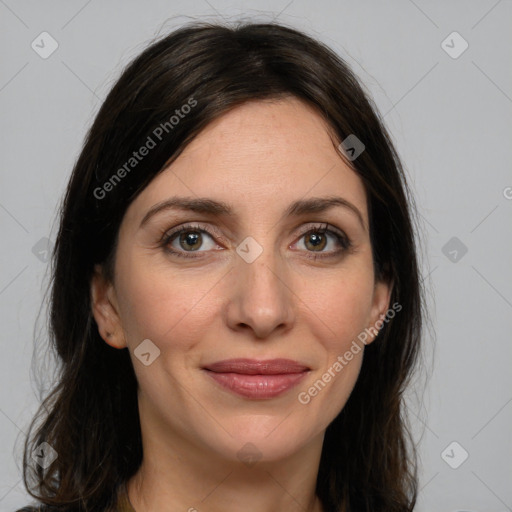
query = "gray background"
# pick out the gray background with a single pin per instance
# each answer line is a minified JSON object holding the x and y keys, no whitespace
{"x":450,"y":118}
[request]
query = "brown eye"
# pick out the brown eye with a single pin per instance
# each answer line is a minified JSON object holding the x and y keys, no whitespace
{"x":190,"y":240}
{"x":316,"y":241}
{"x":321,"y":242}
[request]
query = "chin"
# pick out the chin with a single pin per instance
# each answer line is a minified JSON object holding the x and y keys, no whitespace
{"x":261,"y":439}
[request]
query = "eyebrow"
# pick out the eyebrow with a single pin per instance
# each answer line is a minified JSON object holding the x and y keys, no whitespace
{"x":220,"y":208}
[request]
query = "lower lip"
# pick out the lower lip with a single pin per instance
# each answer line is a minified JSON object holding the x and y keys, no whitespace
{"x":257,"y":386}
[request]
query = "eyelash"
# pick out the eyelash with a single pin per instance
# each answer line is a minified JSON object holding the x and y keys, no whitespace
{"x":341,"y":238}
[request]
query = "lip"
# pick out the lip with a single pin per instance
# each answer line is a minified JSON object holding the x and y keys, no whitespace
{"x":257,"y":379}
{"x":257,"y":366}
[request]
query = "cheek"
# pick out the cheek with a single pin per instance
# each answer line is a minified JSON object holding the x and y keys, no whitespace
{"x":343,"y":311}
{"x":343,"y":306}
{"x":160,"y":305}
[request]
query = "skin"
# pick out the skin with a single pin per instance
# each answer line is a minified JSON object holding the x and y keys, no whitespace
{"x":259,"y":158}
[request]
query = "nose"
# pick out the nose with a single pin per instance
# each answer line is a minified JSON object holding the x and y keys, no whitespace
{"x":261,"y":298}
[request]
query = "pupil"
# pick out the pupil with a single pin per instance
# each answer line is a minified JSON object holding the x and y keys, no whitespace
{"x":191,"y":239}
{"x":316,"y":240}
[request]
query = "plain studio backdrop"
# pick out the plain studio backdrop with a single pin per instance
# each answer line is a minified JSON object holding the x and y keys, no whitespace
{"x":440,"y":74}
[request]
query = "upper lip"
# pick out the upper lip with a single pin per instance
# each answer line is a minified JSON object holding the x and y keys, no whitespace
{"x":257,"y":367}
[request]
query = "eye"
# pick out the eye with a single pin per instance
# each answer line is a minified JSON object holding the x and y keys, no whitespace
{"x":187,"y":239}
{"x":318,"y":238}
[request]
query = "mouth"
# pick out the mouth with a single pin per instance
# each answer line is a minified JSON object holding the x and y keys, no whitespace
{"x":256,"y":379}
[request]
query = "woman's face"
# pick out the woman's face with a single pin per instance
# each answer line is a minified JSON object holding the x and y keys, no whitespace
{"x":245,"y":284}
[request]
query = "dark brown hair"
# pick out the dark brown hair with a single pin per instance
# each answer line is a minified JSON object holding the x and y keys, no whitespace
{"x":90,"y":417}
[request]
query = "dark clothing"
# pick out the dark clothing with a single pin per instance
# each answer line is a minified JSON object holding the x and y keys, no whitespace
{"x":122,"y":505}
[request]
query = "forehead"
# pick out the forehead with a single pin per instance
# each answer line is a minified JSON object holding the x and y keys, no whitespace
{"x":260,"y":156}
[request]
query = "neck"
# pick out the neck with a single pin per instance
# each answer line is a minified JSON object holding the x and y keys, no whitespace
{"x":176,"y":476}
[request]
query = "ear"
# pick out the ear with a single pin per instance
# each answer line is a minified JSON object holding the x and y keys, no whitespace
{"x":380,"y":305}
{"x":105,"y":309}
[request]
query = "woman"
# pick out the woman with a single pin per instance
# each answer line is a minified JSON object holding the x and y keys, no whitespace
{"x":239,"y":221}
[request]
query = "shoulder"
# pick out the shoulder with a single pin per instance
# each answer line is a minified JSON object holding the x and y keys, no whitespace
{"x":39,"y":508}
{"x":121,"y":504}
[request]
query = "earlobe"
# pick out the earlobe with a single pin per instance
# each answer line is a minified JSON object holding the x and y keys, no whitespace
{"x":105,"y":311}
